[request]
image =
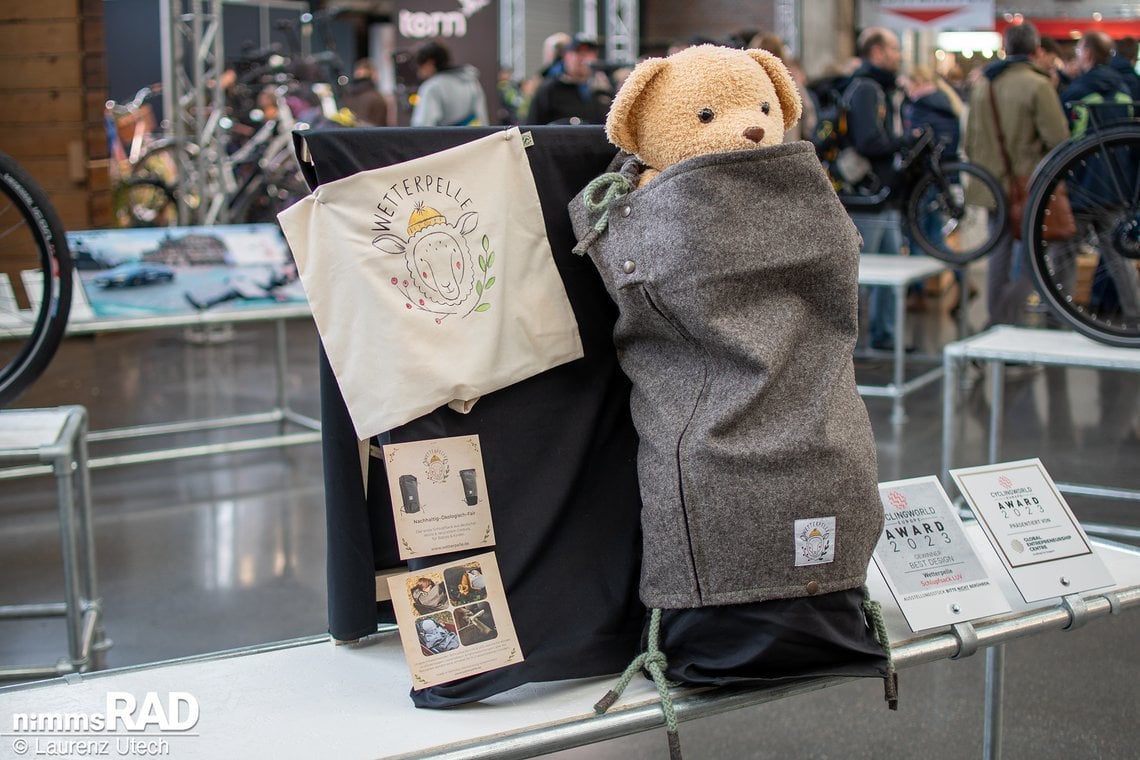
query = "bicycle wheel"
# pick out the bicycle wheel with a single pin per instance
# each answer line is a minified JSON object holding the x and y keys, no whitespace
{"x":1091,"y":281}
{"x":35,"y":280}
{"x":158,"y":161}
{"x":145,"y":202}
{"x":959,"y":216}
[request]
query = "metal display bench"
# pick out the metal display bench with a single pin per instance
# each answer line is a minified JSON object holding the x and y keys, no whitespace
{"x":55,"y":440}
{"x":878,"y":270}
{"x":1002,"y":345}
{"x":265,"y":701}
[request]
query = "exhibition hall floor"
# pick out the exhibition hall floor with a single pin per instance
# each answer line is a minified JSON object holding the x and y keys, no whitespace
{"x":213,"y":553}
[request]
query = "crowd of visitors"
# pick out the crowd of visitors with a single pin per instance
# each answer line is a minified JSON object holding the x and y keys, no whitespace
{"x":1004,"y":116}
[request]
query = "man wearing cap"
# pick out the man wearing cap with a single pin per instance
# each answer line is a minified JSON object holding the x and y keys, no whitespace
{"x":579,"y":95}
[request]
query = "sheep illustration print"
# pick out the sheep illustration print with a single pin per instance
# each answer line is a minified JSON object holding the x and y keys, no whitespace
{"x":440,"y":278}
{"x":431,"y":281}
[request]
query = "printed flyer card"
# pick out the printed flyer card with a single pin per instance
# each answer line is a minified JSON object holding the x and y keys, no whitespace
{"x":439,"y":496}
{"x":454,"y":621}
{"x":1036,"y":536}
{"x":927,"y":561}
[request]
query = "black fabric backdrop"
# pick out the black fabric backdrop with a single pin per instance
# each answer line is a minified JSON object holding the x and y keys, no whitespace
{"x":559,"y":452}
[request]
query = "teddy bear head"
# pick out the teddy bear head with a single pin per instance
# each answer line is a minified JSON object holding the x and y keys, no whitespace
{"x":704,"y":99}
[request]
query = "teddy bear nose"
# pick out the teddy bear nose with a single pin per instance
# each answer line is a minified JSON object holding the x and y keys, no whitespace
{"x":755,"y":134}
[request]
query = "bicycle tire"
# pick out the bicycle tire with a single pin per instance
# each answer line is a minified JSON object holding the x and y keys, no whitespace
{"x":145,"y":202}
{"x":1100,"y":172}
{"x":158,"y":161}
{"x":957,"y":224}
{"x":33,"y":315}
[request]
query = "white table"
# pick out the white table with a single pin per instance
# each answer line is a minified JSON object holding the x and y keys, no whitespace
{"x":1003,"y":344}
{"x":878,"y":270}
{"x":309,"y":698}
{"x":56,"y":439}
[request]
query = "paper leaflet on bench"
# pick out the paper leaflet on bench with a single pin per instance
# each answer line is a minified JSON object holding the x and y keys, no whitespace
{"x":453,"y":617}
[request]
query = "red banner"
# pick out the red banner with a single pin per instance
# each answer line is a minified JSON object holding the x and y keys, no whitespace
{"x":1073,"y":28}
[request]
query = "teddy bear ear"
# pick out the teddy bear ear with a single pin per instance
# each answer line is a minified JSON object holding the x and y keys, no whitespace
{"x":621,"y":122}
{"x":785,"y":86}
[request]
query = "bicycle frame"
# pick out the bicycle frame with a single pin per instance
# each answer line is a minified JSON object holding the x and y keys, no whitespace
{"x":273,"y":139}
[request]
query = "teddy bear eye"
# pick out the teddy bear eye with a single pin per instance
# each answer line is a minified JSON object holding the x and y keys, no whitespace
{"x":764,"y":107}
{"x":705,"y":115}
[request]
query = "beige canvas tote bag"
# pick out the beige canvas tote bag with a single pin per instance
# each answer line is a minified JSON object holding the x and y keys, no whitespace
{"x":431,"y":282}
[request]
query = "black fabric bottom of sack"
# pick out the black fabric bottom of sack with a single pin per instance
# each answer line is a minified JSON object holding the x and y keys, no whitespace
{"x":771,"y":642}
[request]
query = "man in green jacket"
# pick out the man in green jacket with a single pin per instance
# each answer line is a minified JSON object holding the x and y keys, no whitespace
{"x":1032,"y":122}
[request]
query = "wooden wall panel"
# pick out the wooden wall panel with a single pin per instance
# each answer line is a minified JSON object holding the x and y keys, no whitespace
{"x":17,"y":10}
{"x":53,"y":84}
{"x":31,"y":108}
{"x":26,"y":142}
{"x":62,"y":70}
{"x":40,"y":37}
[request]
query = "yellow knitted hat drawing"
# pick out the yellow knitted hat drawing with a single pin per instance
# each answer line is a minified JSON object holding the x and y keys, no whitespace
{"x":422,"y":217}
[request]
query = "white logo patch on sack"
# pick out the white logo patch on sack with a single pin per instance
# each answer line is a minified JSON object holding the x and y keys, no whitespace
{"x":815,"y":541}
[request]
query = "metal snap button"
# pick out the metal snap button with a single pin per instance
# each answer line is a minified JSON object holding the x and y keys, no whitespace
{"x":812,"y":588}
{"x":629,"y":267}
{"x":626,"y":211}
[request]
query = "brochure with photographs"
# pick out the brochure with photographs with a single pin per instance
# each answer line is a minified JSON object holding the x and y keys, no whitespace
{"x":439,"y":496}
{"x":454,"y":621}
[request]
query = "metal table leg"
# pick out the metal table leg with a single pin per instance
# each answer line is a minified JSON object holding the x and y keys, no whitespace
{"x":997,"y":407}
{"x":950,"y":365}
{"x":995,"y":656}
{"x":898,"y":412}
{"x":991,"y":727}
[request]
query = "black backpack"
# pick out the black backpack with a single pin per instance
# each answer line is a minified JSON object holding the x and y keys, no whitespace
{"x":830,"y":134}
{"x":850,"y":174}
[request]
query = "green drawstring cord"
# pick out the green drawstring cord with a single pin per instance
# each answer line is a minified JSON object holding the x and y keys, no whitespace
{"x":873,"y":611}
{"x":652,"y":660}
{"x":612,"y":185}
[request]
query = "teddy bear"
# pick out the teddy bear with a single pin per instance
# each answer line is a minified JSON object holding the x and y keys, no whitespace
{"x":749,"y":111}
{"x":734,"y":268}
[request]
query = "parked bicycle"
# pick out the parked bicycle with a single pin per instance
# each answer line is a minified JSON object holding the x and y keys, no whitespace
{"x":252,"y":173}
{"x":254,"y":182}
{"x":1091,"y":281}
{"x":954,"y":211}
{"x":134,"y":137}
{"x":35,"y":280}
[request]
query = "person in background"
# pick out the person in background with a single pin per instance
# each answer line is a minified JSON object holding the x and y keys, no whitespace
{"x":450,"y":96}
{"x":579,"y":95}
{"x":1097,"y":97}
{"x":802,"y":129}
{"x":362,"y":98}
{"x":1098,"y":82}
{"x":1123,"y":62}
{"x":874,"y":127}
{"x":1032,"y":122}
{"x":514,"y":97}
{"x":552,"y":49}
{"x":1050,"y":60}
{"x":932,"y":103}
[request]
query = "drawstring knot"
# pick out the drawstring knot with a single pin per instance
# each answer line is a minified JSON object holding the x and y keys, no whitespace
{"x":653,"y":661}
{"x":611,"y":186}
